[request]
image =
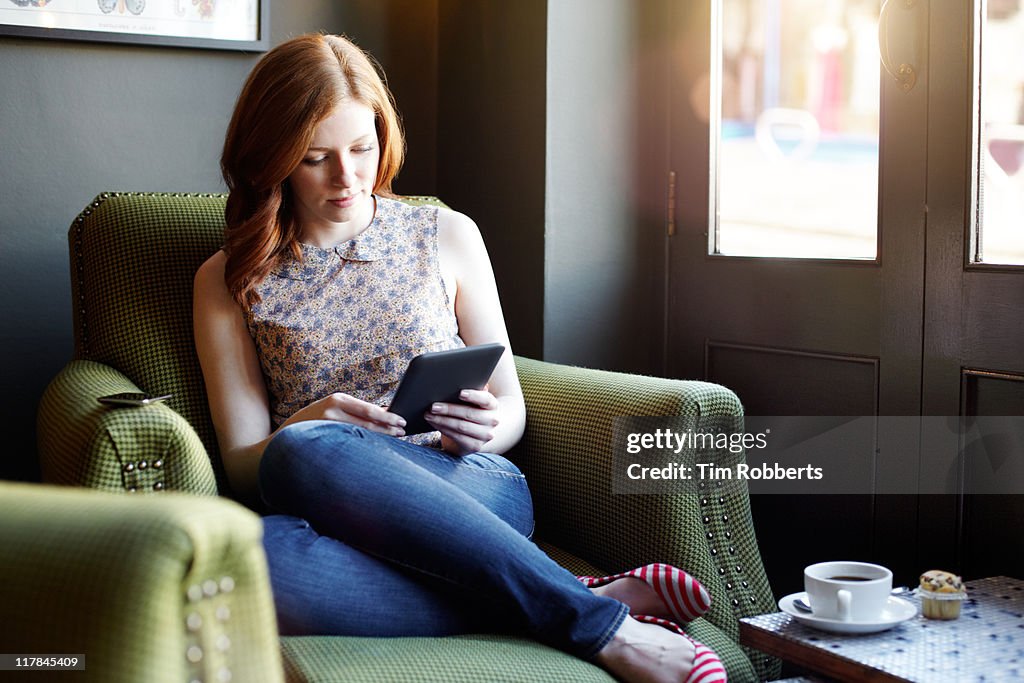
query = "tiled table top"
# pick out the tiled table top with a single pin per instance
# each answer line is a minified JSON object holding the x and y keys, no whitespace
{"x":985,"y":644}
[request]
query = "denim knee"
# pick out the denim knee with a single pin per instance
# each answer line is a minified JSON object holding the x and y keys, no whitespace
{"x":292,"y":455}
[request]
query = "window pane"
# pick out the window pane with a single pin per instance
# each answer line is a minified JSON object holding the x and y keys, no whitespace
{"x":798,"y":144}
{"x":1000,"y":237}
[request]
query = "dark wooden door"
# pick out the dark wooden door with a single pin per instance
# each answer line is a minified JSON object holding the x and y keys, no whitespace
{"x":973,"y":353}
{"x":918,"y":330}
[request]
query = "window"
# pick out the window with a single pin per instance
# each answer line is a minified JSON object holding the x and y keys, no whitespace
{"x":998,"y":236}
{"x":797,"y":129}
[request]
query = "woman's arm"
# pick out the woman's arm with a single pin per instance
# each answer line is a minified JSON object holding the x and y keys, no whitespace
{"x":495,"y":421}
{"x":237,"y":393}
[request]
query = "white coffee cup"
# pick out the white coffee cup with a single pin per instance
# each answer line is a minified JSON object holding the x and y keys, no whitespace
{"x":847,"y":591}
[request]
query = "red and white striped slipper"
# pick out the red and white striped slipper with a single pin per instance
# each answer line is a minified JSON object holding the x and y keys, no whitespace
{"x":707,"y":667}
{"x":685,"y":598}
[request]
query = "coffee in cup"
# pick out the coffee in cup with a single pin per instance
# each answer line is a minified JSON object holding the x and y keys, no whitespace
{"x":847,"y":591}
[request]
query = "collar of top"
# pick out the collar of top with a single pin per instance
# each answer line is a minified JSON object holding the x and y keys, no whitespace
{"x":369,"y":245}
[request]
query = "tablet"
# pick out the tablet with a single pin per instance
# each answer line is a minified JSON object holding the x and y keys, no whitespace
{"x":440,"y":376}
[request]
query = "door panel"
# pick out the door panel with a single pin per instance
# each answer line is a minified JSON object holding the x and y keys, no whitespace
{"x":991,"y":539}
{"x":795,"y":382}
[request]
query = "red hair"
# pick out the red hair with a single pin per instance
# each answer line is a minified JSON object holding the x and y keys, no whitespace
{"x":290,"y":91}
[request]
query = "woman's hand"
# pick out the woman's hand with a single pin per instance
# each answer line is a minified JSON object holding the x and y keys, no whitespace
{"x":344,"y":408}
{"x":466,"y":428}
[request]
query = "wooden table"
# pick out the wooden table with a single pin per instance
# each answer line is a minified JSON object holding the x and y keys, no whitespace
{"x":985,"y":644}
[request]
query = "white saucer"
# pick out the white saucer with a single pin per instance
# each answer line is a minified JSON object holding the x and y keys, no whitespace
{"x":897,"y":610}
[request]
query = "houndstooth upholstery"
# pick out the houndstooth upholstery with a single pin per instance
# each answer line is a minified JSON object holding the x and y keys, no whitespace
{"x":133,"y":258}
{"x":162,"y":589}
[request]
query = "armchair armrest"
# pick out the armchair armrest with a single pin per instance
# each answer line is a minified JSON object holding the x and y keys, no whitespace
{"x":566,"y":454}
{"x":85,"y":443}
{"x":168,"y":588}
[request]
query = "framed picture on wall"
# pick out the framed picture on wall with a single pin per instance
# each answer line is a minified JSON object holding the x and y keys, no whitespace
{"x":212,"y":24}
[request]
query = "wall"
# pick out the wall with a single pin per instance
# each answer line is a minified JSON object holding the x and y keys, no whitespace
{"x":541,"y":111}
{"x":601,"y":241}
{"x":490,"y":144}
{"x":82,"y":118}
{"x":402,"y":36}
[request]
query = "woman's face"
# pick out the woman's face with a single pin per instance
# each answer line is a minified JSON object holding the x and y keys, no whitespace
{"x":333,"y":183}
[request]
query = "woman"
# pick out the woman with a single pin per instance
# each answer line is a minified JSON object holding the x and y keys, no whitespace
{"x":325,"y":289}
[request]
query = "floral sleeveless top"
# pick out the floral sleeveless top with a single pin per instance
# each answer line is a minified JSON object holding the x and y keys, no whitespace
{"x":350,"y":318}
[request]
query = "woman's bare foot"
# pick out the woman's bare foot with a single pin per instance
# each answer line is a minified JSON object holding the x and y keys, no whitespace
{"x":637,"y":594}
{"x":645,"y":653}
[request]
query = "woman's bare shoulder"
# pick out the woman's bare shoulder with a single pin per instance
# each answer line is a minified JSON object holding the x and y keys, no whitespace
{"x":213,"y":266}
{"x":456,"y":230}
{"x":210,"y":276}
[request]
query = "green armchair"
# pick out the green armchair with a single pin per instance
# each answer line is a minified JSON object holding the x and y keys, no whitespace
{"x":133,"y":257}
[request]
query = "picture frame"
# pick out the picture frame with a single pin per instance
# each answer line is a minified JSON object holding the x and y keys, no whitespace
{"x":211,"y":24}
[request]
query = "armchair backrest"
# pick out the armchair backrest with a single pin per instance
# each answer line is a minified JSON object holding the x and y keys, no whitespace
{"x":133,"y":260}
{"x":134,"y":256}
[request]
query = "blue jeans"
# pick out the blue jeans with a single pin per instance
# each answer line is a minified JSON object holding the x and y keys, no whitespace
{"x":376,"y":536}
